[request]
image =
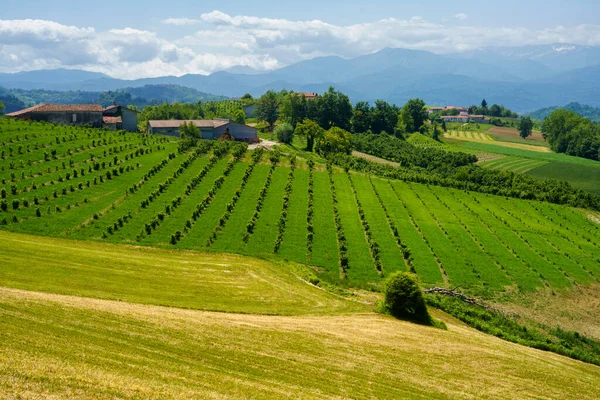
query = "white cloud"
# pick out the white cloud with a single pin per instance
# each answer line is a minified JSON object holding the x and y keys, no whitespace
{"x":216,"y":41}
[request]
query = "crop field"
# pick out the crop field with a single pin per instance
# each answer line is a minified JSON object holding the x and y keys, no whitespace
{"x":518,"y":165}
{"x":468,"y":135}
{"x":351,"y":227}
{"x":586,"y":177}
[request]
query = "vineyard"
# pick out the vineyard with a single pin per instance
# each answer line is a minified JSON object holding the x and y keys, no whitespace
{"x":357,"y":229}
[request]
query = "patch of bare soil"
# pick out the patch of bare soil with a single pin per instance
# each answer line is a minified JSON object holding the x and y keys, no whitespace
{"x":265,"y":144}
{"x":498,"y":131}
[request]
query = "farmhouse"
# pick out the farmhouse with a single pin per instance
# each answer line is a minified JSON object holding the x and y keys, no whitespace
{"x":456,"y":118}
{"x":120,"y":118}
{"x":480,"y":119}
{"x":308,"y":95}
{"x":63,"y":114}
{"x":209,"y":129}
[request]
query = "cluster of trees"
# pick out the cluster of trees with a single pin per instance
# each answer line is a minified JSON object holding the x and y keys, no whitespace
{"x":334,"y":109}
{"x":1,"y":108}
{"x":570,"y":133}
{"x":495,"y":110}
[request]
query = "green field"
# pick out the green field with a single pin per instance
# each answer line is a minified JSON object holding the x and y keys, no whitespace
{"x":116,"y":321}
{"x":210,"y":200}
{"x":132,"y":270}
{"x":586,"y":177}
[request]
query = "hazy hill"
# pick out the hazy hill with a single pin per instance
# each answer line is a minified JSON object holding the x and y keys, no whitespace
{"x":521,"y":78}
{"x":592,"y":113}
{"x":16,"y":99}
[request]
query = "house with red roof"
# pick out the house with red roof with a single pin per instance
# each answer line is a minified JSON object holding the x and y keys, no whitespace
{"x":63,"y":114}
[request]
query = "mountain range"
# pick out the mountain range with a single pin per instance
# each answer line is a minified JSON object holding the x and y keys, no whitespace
{"x":522,"y":78}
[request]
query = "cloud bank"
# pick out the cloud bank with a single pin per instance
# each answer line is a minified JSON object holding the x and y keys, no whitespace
{"x":216,"y":41}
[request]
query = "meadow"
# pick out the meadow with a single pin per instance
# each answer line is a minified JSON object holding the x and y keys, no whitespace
{"x":353,"y":228}
{"x":118,"y":321}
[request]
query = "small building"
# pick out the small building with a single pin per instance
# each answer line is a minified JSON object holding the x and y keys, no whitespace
{"x":63,"y":114}
{"x":456,"y":118}
{"x":308,"y":95}
{"x":209,"y":129}
{"x":112,"y":123}
{"x":479,"y":119}
{"x":128,"y":118}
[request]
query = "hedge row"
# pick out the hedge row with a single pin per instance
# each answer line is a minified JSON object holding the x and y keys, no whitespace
{"x":206,"y":201}
{"x":286,"y":202}
{"x":274,"y":157}
{"x":341,"y":237}
{"x":406,"y":254}
{"x":311,"y":210}
{"x":373,"y":245}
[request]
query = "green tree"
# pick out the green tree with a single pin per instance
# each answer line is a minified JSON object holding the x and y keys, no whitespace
{"x":1,"y":108}
{"x":361,"y":117}
{"x":247,"y":96}
{"x":311,"y":131}
{"x":333,"y":109}
{"x":384,"y":117}
{"x":525,"y":127}
{"x":285,"y":133}
{"x":239,"y":116}
{"x":293,"y":108}
{"x":435,"y":132}
{"x":404,"y":298}
{"x":414,"y":114}
{"x":267,"y":108}
{"x":484,"y":104}
{"x":334,"y":140}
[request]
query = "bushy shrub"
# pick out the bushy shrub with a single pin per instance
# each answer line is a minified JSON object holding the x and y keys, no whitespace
{"x":404,"y":298}
{"x":285,"y":133}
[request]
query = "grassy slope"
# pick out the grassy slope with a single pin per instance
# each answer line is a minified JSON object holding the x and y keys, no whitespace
{"x":161,"y":277}
{"x":586,"y":177}
{"x":56,"y":345}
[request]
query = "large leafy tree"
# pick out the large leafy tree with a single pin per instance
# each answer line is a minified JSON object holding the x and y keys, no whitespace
{"x":334,"y":140}
{"x":385,"y":117}
{"x":293,"y":108}
{"x":311,"y":131}
{"x":525,"y":127}
{"x":361,"y":117}
{"x":267,"y":108}
{"x":1,"y":108}
{"x":334,"y":109}
{"x":414,"y":115}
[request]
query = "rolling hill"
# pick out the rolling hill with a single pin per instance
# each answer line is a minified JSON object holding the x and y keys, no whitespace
{"x":102,"y":334}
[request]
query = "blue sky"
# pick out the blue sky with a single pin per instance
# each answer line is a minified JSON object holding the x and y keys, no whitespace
{"x":138,"y":38}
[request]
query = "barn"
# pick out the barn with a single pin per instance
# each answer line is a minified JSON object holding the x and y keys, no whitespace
{"x":209,"y":129}
{"x":119,"y":117}
{"x":63,"y":114}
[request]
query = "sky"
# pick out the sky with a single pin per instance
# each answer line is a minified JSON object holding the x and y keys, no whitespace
{"x":146,"y":38}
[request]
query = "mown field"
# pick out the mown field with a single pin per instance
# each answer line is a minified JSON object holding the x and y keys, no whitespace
{"x":353,"y":228}
{"x":91,"y":320}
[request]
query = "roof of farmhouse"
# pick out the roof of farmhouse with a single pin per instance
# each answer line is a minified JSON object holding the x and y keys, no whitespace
{"x":175,"y":123}
{"x":58,"y":108}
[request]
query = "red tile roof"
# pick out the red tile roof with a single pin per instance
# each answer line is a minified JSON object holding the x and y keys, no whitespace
{"x":58,"y":108}
{"x":112,"y":120}
{"x":308,"y":95}
{"x":175,"y":123}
